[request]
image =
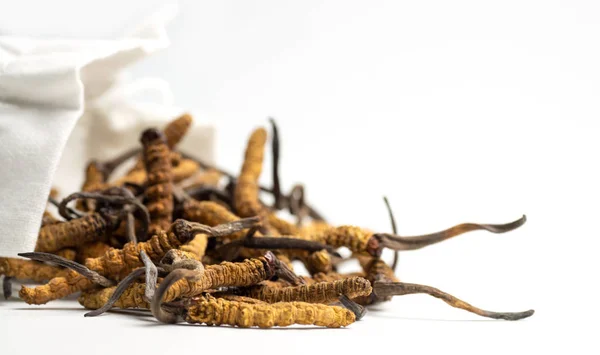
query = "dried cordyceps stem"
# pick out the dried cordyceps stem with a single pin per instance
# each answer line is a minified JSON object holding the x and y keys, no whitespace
{"x":394,"y":230}
{"x":159,"y":190}
{"x":73,"y":233}
{"x":396,"y":242}
{"x":358,"y":310}
{"x":246,"y":199}
{"x":219,"y":311}
{"x":321,"y":292}
{"x":230,"y":250}
{"x":387,"y":289}
{"x":275,"y":150}
{"x":22,"y":269}
{"x":359,"y":240}
{"x":184,"y":283}
{"x":246,"y":188}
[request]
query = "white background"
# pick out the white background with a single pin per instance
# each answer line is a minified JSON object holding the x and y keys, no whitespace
{"x":456,"y":110}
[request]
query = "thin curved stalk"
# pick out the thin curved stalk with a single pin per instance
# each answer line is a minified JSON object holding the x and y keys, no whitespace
{"x":394,"y":230}
{"x":121,"y":287}
{"x":386,"y":289}
{"x":396,"y":242}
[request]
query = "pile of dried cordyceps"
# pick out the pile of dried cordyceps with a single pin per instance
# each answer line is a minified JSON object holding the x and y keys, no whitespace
{"x":189,"y":241}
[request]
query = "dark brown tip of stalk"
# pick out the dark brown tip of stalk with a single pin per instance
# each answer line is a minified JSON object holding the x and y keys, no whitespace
{"x":358,"y":310}
{"x":152,"y":134}
{"x":516,"y":224}
{"x":183,"y":230}
{"x":514,"y":315}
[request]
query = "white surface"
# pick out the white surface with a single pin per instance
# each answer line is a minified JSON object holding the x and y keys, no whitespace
{"x":458,"y":111}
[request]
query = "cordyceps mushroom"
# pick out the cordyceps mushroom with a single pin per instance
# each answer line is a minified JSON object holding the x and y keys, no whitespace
{"x":220,"y":311}
{"x":159,"y":189}
{"x":319,"y":292}
{"x":181,"y":283}
{"x":246,"y":199}
{"x":359,"y":240}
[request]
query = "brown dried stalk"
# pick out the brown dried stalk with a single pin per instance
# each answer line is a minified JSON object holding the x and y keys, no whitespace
{"x":230,"y":250}
{"x":387,"y":289}
{"x":394,"y":230}
{"x":277,"y":196}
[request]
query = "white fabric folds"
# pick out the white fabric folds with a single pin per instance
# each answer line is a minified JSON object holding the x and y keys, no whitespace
{"x":46,"y":86}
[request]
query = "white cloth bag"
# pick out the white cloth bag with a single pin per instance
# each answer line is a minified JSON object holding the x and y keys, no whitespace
{"x":58,"y":91}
